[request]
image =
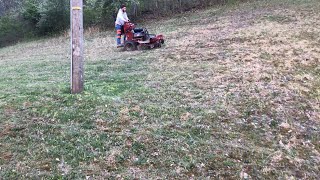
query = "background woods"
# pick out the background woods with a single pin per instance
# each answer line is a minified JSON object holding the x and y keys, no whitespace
{"x":34,"y":18}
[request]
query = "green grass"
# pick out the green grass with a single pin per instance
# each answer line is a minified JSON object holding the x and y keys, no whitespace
{"x":242,"y":100}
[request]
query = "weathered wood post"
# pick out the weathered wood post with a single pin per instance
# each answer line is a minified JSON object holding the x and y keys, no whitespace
{"x":77,"y":72}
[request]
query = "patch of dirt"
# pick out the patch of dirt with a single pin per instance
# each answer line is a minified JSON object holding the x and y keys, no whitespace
{"x":6,"y":156}
{"x":5,"y":130}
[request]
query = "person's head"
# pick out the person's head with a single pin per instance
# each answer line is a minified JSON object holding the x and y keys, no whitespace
{"x":123,"y":7}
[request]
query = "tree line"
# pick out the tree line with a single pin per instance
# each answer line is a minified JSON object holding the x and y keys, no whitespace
{"x":20,"y":19}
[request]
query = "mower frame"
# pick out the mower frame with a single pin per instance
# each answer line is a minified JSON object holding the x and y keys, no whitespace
{"x":147,"y":41}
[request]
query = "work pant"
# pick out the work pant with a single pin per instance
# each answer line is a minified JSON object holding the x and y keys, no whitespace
{"x":119,"y":33}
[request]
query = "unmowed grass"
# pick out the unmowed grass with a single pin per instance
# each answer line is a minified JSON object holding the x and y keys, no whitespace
{"x":234,"y":94}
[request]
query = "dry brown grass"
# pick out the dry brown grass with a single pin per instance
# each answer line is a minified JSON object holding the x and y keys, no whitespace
{"x":234,"y":94}
{"x":261,"y":66}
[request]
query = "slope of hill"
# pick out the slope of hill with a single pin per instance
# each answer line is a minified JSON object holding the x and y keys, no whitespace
{"x":234,"y":94}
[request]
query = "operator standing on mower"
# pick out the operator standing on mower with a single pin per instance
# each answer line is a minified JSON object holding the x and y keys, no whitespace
{"x":122,"y":18}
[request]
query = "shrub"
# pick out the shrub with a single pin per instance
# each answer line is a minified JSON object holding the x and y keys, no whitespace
{"x":11,"y":30}
{"x":54,"y":16}
{"x":31,"y":12}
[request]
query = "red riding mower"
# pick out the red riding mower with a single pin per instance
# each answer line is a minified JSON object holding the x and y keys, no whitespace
{"x":139,"y":38}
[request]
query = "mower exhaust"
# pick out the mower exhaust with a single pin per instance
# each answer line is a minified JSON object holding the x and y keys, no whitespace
{"x":140,"y":39}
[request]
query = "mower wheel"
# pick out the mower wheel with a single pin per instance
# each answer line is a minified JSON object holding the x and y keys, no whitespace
{"x":130,"y":46}
{"x":143,"y":47}
{"x":157,"y":45}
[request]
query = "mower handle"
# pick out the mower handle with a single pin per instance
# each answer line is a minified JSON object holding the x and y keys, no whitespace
{"x":129,"y":22}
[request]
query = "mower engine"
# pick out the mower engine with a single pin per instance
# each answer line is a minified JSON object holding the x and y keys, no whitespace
{"x":139,"y":38}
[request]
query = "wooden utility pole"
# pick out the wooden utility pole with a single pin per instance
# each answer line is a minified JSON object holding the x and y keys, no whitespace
{"x":77,"y":72}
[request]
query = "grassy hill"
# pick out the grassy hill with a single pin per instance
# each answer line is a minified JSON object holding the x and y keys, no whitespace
{"x":234,"y":94}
